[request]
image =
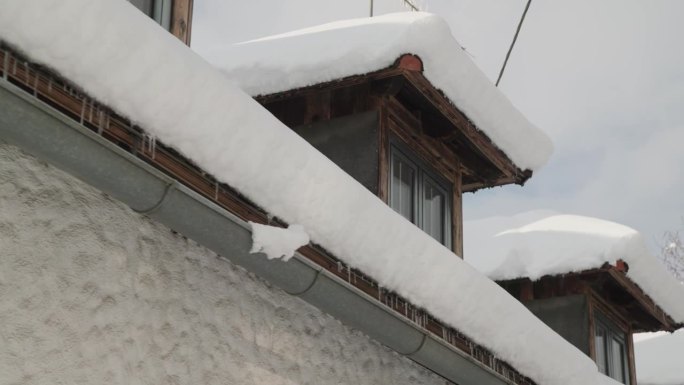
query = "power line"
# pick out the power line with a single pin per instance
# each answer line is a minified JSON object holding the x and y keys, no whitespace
{"x":515,"y":37}
{"x":411,"y":5}
{"x":406,"y":2}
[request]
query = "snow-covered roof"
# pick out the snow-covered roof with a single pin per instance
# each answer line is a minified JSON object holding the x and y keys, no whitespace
{"x":539,"y":243}
{"x":660,"y":360}
{"x":359,"y":46}
{"x":129,"y":63}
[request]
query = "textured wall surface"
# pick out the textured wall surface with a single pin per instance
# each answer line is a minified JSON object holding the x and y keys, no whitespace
{"x":92,"y":293}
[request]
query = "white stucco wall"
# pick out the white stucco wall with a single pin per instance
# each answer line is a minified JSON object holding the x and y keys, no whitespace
{"x":92,"y":293}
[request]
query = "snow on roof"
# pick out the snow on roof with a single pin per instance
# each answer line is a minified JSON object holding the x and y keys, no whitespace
{"x":660,"y":360}
{"x":353,"y":47}
{"x":129,"y":63}
{"x":538,"y":243}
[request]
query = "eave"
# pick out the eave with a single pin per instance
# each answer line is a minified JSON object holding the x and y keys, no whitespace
{"x":483,"y":163}
{"x":610,"y":283}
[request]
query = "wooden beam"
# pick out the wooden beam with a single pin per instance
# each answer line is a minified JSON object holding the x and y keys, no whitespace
{"x":181,"y":20}
{"x":383,"y":152}
{"x":477,"y":138}
{"x":457,"y":213}
{"x":646,"y":302}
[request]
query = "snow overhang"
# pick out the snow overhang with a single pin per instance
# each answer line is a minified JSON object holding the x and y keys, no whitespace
{"x":348,"y":48}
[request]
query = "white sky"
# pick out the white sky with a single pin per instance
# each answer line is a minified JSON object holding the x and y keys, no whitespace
{"x":604,"y":79}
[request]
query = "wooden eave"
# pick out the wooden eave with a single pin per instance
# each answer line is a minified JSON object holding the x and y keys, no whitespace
{"x":483,"y":163}
{"x":609,"y":283}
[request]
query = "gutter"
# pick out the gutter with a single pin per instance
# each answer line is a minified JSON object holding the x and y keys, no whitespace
{"x":28,"y":123}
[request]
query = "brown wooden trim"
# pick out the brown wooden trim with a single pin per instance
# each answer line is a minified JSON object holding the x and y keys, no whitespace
{"x":406,"y":127}
{"x":595,"y":301}
{"x":457,"y":212}
{"x":181,"y":20}
{"x":479,"y":139}
{"x":592,"y":328}
{"x":646,"y":302}
{"x":383,"y":153}
{"x":630,"y":357}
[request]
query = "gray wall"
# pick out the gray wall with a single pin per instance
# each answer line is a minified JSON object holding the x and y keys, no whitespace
{"x":351,"y":142}
{"x":93,"y":293}
{"x":143,"y":5}
{"x":568,"y":316}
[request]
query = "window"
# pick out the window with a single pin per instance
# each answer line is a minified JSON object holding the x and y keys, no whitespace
{"x":611,"y":350}
{"x":159,"y":10}
{"x":419,"y":195}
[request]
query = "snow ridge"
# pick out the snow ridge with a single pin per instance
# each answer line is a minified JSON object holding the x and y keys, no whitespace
{"x":354,"y":47}
{"x":131,"y":64}
{"x":536,"y":244}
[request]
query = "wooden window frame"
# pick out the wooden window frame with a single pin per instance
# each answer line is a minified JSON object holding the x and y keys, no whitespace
{"x":423,"y":171}
{"x":601,"y":312}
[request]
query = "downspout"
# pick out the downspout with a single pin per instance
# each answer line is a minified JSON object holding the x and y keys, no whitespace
{"x":43,"y":132}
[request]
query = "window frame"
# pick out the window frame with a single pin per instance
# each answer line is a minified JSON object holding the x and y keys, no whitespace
{"x":422,"y":172}
{"x":612,"y":332}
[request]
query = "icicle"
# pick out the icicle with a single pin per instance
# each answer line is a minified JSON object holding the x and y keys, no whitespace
{"x":149,"y":144}
{"x":216,"y":191}
{"x":100,"y":120}
{"x":339,"y":266}
{"x":27,"y":74}
{"x":35,"y":83}
{"x":90,"y":114}
{"x":83,"y":108}
{"x":49,"y":87}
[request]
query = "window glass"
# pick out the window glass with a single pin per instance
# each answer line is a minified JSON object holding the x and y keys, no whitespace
{"x":611,"y":351}
{"x":618,"y":355}
{"x":403,"y":183}
{"x":601,"y":349}
{"x":416,"y":193}
{"x":433,"y":211}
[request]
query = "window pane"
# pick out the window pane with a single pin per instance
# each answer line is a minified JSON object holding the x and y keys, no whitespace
{"x":601,"y":349}
{"x":433,"y":211}
{"x":403,"y":182}
{"x":618,"y":360}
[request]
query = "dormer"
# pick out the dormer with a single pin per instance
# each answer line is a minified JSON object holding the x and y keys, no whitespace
{"x":590,"y":280}
{"x":407,"y":123}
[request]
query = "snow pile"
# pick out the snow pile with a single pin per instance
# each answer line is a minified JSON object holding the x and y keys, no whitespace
{"x":660,"y":360}
{"x":542,"y":243}
{"x":277,"y":242}
{"x":128,"y":62}
{"x":353,"y":47}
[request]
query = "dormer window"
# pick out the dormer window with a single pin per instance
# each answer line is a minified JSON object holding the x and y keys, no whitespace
{"x":419,"y":194}
{"x":611,"y":349}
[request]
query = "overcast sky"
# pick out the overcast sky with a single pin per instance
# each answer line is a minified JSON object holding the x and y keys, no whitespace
{"x":605,"y":80}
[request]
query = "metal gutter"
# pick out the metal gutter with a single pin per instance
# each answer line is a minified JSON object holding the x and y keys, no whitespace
{"x":45,"y":133}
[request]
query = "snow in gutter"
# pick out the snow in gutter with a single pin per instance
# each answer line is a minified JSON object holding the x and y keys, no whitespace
{"x":540,"y":243}
{"x":128,"y":62}
{"x":353,"y":47}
